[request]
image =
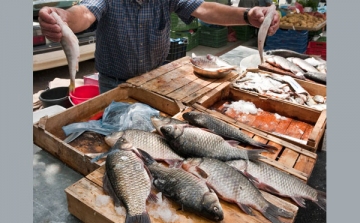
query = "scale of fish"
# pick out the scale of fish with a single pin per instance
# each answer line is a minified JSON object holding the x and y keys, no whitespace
{"x":70,"y":44}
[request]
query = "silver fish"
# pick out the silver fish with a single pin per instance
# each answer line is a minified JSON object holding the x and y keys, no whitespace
{"x":70,"y":45}
{"x":185,"y":189}
{"x":232,"y":186}
{"x":211,"y":63}
{"x":302,"y":64}
{"x":189,"y":141}
{"x":316,"y":76}
{"x":283,"y":63}
{"x":319,"y":99}
{"x":127,"y":182}
{"x":263,"y":30}
{"x":287,"y":53}
{"x":159,"y":121}
{"x":275,"y":181}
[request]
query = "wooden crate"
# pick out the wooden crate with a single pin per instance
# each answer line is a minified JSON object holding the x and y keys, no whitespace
{"x":177,"y":80}
{"x":48,"y":133}
{"x":81,"y":197}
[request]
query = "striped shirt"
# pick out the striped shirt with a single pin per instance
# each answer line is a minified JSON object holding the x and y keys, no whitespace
{"x":133,"y":36}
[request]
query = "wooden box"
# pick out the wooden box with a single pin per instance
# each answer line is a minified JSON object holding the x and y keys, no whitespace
{"x":48,"y":133}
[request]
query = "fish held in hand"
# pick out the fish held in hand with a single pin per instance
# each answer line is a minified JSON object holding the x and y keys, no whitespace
{"x":185,"y":189}
{"x":232,"y":186}
{"x":190,"y":141}
{"x":277,"y":182}
{"x":263,"y":30}
{"x":70,"y":45}
{"x":127,"y":182}
{"x":223,"y":129}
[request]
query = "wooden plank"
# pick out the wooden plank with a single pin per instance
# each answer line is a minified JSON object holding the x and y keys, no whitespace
{"x":305,"y":164}
{"x":283,"y":125}
{"x":140,"y":80}
{"x":82,"y":203}
{"x":307,"y":133}
{"x":296,"y":129}
{"x":288,"y":157}
{"x":275,"y":154}
{"x":318,"y":130}
{"x":265,"y":121}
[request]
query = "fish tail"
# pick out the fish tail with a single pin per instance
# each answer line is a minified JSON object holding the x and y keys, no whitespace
{"x":71,"y":86}
{"x":269,"y":148}
{"x":255,"y":154}
{"x":143,"y":218}
{"x":321,"y":200}
{"x":272,"y":213}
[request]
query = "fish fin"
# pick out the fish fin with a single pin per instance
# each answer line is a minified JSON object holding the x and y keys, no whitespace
{"x":321,"y":200}
{"x":71,"y":86}
{"x":174,"y":163}
{"x":201,"y":172}
{"x":245,"y":208}
{"x":193,"y":55}
{"x":152,"y":197}
{"x":272,"y":213}
{"x":253,"y":179}
{"x":143,"y":218}
{"x":110,"y":191}
{"x":300,"y":201}
{"x":268,"y":188}
{"x":255,"y":154}
{"x":146,"y":157}
{"x":269,"y":148}
{"x":232,"y":142}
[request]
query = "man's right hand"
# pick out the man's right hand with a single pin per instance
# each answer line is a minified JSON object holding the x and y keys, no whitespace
{"x":48,"y":24}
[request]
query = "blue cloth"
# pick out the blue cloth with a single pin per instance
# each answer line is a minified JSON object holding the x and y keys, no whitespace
{"x":133,"y":36}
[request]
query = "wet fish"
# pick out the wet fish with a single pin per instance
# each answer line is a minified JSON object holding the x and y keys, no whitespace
{"x":189,"y":141}
{"x":316,"y":76}
{"x":185,"y":189}
{"x":232,"y":186}
{"x":159,"y":121}
{"x":283,"y":63}
{"x":302,"y":64}
{"x":315,"y":61}
{"x":211,"y":63}
{"x":70,"y":45}
{"x":287,"y":53}
{"x":223,"y":129}
{"x":275,"y":181}
{"x":127,"y":182}
{"x":263,"y":30}
{"x":152,"y":143}
{"x":319,"y":99}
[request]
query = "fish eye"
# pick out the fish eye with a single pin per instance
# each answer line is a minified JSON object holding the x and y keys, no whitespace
{"x":216,"y":208}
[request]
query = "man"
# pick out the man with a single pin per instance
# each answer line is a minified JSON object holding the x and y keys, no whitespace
{"x":133,"y":36}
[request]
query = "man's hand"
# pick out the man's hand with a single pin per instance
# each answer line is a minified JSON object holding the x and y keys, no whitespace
{"x":48,"y":24}
{"x":256,"y":16}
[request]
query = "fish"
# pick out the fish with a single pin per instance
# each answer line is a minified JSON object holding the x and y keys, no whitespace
{"x":319,"y":99}
{"x":223,"y":129}
{"x":263,"y":30}
{"x":211,"y":63}
{"x":314,"y":61}
{"x":318,"y":77}
{"x":232,"y":186}
{"x":70,"y":44}
{"x":283,"y":63}
{"x":190,"y":141}
{"x":127,"y":182}
{"x":287,"y":53}
{"x":302,"y":64}
{"x":185,"y":189}
{"x":277,"y":182}
{"x":152,"y":143}
{"x":159,"y":121}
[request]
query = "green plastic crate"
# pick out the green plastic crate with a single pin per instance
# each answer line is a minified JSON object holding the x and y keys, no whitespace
{"x":192,"y":37}
{"x":213,"y":37}
{"x":244,"y":32}
{"x":178,"y":25}
{"x":224,"y":2}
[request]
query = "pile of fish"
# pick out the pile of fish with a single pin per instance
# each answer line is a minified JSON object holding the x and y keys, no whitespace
{"x":204,"y":167}
{"x":279,"y":87}
{"x":302,"y":66}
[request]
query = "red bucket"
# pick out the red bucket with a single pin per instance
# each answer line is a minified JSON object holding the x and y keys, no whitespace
{"x":83,"y":93}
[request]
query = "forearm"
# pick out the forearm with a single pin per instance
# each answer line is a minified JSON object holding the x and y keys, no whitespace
{"x":78,"y":18}
{"x":219,"y":14}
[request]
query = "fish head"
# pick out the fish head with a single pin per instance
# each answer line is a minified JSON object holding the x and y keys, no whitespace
{"x":194,"y":117}
{"x":211,"y":206}
{"x":113,"y":137}
{"x":172,"y":131}
{"x":123,"y":143}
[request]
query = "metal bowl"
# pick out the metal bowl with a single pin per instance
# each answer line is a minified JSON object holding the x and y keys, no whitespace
{"x":211,"y":74}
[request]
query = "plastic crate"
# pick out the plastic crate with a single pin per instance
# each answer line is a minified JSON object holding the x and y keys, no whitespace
{"x":296,"y":40}
{"x":177,"y":49}
{"x":213,"y":37}
{"x":224,"y":2}
{"x":178,"y":25}
{"x":192,"y":37}
{"x":244,"y":32}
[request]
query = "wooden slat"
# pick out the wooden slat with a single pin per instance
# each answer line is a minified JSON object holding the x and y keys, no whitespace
{"x":307,"y":133}
{"x":305,"y":164}
{"x":318,"y":130}
{"x":275,"y":154}
{"x":265,"y":121}
{"x":296,"y":129}
{"x":283,"y":125}
{"x":288,"y":157}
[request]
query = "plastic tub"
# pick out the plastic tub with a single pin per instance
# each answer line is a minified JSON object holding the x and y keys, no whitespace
{"x":55,"y":96}
{"x":83,"y":93}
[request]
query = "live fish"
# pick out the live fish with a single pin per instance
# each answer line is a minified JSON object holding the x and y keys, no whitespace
{"x":263,"y":30}
{"x":283,"y":63}
{"x":275,"y":181}
{"x":127,"y":182}
{"x":70,"y":45}
{"x":223,"y":129}
{"x":211,"y":63}
{"x":190,"y":141}
{"x":185,"y":189}
{"x":152,"y":143}
{"x":232,"y":186}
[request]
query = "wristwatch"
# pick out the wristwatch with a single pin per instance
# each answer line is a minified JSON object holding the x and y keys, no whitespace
{"x":246,"y":18}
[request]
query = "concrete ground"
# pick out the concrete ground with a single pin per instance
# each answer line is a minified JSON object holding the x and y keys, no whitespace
{"x":51,"y":176}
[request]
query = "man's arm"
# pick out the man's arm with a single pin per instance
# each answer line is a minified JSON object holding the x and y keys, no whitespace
{"x":78,"y":18}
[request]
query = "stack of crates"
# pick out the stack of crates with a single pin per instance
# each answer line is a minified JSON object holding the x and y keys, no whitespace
{"x":180,"y":30}
{"x":177,"y":49}
{"x":296,"y":40}
{"x":213,"y":36}
{"x":317,"y":47}
{"x":244,"y":33}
